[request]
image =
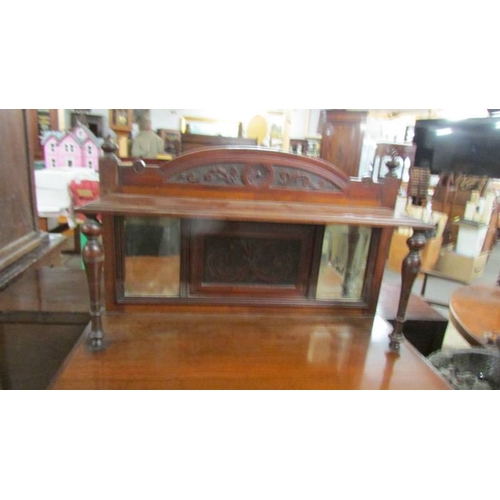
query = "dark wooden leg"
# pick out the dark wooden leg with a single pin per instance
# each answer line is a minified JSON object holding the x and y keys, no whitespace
{"x":410,"y":270}
{"x":93,"y":258}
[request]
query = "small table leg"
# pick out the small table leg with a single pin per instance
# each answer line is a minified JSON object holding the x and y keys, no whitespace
{"x":410,"y":270}
{"x":93,"y":258}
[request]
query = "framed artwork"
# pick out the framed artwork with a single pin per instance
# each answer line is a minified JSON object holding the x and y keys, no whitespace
{"x":209,"y":126}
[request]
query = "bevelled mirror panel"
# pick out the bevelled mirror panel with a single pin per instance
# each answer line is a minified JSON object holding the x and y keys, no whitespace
{"x":152,"y":256}
{"x":343,"y":262}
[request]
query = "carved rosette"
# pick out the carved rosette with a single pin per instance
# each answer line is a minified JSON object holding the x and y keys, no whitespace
{"x":258,"y":176}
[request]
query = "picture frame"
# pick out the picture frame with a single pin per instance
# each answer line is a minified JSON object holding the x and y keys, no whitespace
{"x":210,"y":126}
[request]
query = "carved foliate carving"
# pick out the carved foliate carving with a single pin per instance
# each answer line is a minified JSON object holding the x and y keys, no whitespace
{"x":250,"y":175}
{"x":299,"y":179}
{"x":208,"y":175}
{"x":250,"y":261}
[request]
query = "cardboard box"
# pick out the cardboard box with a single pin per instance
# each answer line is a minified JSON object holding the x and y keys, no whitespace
{"x":470,"y":238}
{"x":461,"y":267}
{"x":399,"y":250}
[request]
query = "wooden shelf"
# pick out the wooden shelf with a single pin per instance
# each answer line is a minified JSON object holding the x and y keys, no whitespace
{"x":248,"y":210}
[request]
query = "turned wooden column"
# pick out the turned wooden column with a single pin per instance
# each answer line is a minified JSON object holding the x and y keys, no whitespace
{"x":352,"y":245}
{"x":93,"y":258}
{"x":409,"y":271}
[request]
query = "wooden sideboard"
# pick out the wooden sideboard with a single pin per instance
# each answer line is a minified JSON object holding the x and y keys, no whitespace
{"x":242,"y":229}
{"x":242,"y":268}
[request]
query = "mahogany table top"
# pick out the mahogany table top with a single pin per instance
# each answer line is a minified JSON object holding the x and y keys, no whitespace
{"x":179,"y":351}
{"x":475,"y":310}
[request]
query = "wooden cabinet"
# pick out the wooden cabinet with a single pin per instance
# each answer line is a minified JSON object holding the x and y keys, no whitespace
{"x":21,"y":242}
{"x":343,"y":133}
{"x":214,"y":242}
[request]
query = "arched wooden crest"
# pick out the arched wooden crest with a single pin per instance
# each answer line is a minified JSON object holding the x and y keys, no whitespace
{"x":253,"y":168}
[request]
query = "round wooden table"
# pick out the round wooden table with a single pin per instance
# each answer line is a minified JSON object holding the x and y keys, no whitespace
{"x":475,"y":311}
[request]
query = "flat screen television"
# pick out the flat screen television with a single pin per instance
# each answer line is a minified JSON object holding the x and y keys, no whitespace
{"x":469,"y":147}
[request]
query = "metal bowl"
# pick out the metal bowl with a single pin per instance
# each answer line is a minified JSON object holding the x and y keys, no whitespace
{"x":469,"y":369}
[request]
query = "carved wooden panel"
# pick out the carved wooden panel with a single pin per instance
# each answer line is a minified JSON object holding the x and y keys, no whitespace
{"x":261,"y":176}
{"x":249,"y":261}
{"x":208,"y":175}
{"x":293,"y":178}
{"x":238,"y":258}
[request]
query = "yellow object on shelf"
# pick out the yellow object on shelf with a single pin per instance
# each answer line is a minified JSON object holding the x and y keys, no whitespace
{"x":164,"y":157}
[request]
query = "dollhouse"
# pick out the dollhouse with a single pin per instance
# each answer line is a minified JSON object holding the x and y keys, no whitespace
{"x":75,"y":148}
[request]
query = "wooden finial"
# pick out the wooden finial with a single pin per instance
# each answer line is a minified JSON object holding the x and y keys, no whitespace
{"x":109,"y":147}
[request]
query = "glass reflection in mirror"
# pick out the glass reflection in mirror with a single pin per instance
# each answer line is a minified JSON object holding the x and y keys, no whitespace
{"x":152,"y":256}
{"x":343,"y":262}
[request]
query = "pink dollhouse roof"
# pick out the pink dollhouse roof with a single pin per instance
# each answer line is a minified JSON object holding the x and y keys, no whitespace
{"x":60,"y":136}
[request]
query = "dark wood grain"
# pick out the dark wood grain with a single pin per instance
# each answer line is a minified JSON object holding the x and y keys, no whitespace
{"x":19,"y":223}
{"x":47,"y":290}
{"x":21,"y":241}
{"x":342,"y":139}
{"x":46,"y":253}
{"x":42,"y":314}
{"x":31,"y":353}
